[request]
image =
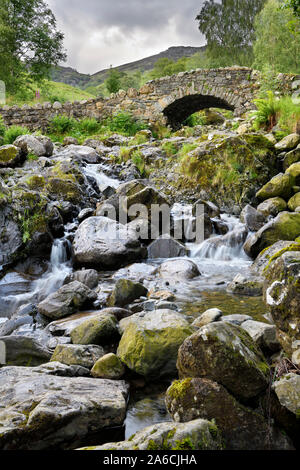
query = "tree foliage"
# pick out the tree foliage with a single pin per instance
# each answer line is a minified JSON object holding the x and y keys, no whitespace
{"x":113,"y":82}
{"x":294,"y":5}
{"x":29,"y":41}
{"x":229,"y":30}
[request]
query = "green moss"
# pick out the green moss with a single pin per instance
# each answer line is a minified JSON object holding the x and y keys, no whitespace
{"x":293,"y":247}
{"x":179,"y":388}
{"x":8,"y":153}
{"x":36,"y":182}
{"x":184,"y":444}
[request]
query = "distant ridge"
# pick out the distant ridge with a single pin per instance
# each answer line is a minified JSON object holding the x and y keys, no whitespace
{"x":70,"y":76}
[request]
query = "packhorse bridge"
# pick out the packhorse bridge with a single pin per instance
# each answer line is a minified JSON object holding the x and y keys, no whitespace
{"x":168,"y":100}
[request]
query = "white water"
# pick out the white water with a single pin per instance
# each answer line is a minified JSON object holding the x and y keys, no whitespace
{"x":103,"y":181}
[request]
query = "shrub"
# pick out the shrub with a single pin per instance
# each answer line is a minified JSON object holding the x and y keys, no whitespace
{"x":125,"y":123}
{"x":13,"y":132}
{"x":88,"y":126}
{"x":266,"y":113}
{"x":62,"y":124}
{"x":196,"y":119}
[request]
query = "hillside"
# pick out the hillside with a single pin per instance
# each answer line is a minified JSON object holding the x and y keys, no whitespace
{"x":72,"y":77}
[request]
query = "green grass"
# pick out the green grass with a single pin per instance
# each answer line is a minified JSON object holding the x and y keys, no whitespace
{"x":271,"y":111}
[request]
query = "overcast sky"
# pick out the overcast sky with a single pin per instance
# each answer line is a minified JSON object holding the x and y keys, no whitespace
{"x":100,"y":33}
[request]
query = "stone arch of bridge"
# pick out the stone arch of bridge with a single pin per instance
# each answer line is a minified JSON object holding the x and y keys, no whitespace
{"x":180,"y":109}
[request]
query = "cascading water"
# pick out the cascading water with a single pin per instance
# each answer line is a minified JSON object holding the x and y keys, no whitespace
{"x":98,"y":173}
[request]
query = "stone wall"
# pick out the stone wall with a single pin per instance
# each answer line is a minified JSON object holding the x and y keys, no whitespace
{"x":165,"y":100}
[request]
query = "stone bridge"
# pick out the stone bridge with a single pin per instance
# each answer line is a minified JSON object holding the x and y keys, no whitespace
{"x":168,"y":100}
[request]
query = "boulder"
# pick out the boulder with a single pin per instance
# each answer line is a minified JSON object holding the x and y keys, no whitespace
{"x":21,"y":351}
{"x":11,"y":156}
{"x":101,"y":242}
{"x":209,"y":208}
{"x":264,"y":335}
{"x":279,"y":186}
{"x":226,"y":354}
{"x":294,"y":172}
{"x":252,"y":218}
{"x":67,"y":300}
{"x":291,"y":157}
{"x":294,"y":202}
{"x":166,"y":247}
{"x":242,"y":428}
{"x":40,"y":146}
{"x":271,"y":253}
{"x":125,"y":292}
{"x":180,"y":269}
{"x":195,"y":435}
{"x":150,"y":342}
{"x":43,"y":411}
{"x":282,"y":293}
{"x":11,"y":240}
{"x":289,"y":142}
{"x":287,"y":389}
{"x":88,"y":277}
{"x":100,"y":329}
{"x":272,"y":206}
{"x":286,"y":226}
{"x":236,"y":319}
{"x":70,"y":141}
{"x":250,"y":286}
{"x":80,"y":355}
{"x":84,"y":153}
{"x":210,"y":316}
{"x":108,"y":367}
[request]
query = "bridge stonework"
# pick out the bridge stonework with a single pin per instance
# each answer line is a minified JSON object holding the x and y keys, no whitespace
{"x":168,"y":100}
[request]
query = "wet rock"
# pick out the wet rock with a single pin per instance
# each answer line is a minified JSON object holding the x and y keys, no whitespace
{"x":80,"y":355}
{"x":211,"y":315}
{"x":286,"y":226}
{"x":11,"y":156}
{"x":88,"y":277}
{"x":100,"y":329}
{"x":209,"y":208}
{"x":86,"y":154}
{"x":166,"y":247}
{"x":220,"y":227}
{"x":279,"y":186}
{"x":252,"y":218}
{"x":263,"y":334}
{"x":108,"y":367}
{"x":85,"y":214}
{"x":179,"y":269}
{"x":236,"y":319}
{"x":150,"y":342}
{"x":10,"y":239}
{"x":272,"y":206}
{"x":226,"y":354}
{"x":246,"y":286}
{"x":270,"y":253}
{"x":195,"y":435}
{"x":40,"y":146}
{"x":289,"y":142}
{"x":126,"y":291}
{"x":21,"y":351}
{"x":287,"y":389}
{"x":103,"y":243}
{"x":242,"y":428}
{"x":42,"y":411}
{"x":282,"y":294}
{"x":67,"y":300}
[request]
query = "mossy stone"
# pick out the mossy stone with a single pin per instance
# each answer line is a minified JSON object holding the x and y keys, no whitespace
{"x":108,"y":367}
{"x":294,"y":202}
{"x":97,"y":330}
{"x":279,"y":186}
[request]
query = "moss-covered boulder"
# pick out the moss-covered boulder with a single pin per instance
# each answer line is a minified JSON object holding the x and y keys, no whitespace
{"x":198,"y":434}
{"x":11,"y":156}
{"x":125,"y":292}
{"x":226,"y":354}
{"x":282,"y":292}
{"x":289,"y":142}
{"x":100,"y":329}
{"x":271,"y":253}
{"x":80,"y":355}
{"x":242,"y":428}
{"x":108,"y":367}
{"x":294,"y":172}
{"x":150,"y":342}
{"x":272,"y":206}
{"x":287,"y":389}
{"x":291,"y":157}
{"x":286,"y":226}
{"x":279,"y":186}
{"x":294,"y":202}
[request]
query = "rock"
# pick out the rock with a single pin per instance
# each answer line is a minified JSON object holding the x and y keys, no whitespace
{"x":70,"y":141}
{"x":287,"y":389}
{"x":272,"y":206}
{"x":166,"y":247}
{"x":11,"y":240}
{"x":263,"y":334}
{"x":126,"y":291}
{"x":242,"y":285}
{"x":241,"y":427}
{"x":61,"y":370}
{"x":85,"y":214}
{"x":209,"y":208}
{"x":279,"y":186}
{"x":226,"y":354}
{"x":40,"y":146}
{"x":195,"y":435}
{"x":282,"y":293}
{"x":211,"y":315}
{"x":21,"y":351}
{"x":67,"y":300}
{"x":74,"y":354}
{"x":294,"y":202}
{"x":286,"y":226}
{"x":86,"y":154}
{"x":101,"y":242}
{"x":236,"y":319}
{"x":179,"y":269}
{"x":99,"y":329}
{"x":252,"y":218}
{"x":108,"y":367}
{"x":41,"y":411}
{"x":88,"y":277}
{"x":289,"y":142}
{"x":11,"y":156}
{"x":150,"y":342}
{"x":291,"y":157}
{"x":272,"y":252}
{"x":294,"y":172}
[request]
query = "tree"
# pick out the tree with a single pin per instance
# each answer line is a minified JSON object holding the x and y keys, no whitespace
{"x":294,"y":5}
{"x":113,"y":82}
{"x":229,"y":30}
{"x":277,"y":44}
{"x":29,"y":41}
{"x":165,"y":67}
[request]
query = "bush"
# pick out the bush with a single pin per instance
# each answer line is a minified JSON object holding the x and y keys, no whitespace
{"x":272,"y":110}
{"x":88,"y":126}
{"x":196,"y":119}
{"x":62,"y":124}
{"x":13,"y":132}
{"x":126,"y":124}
